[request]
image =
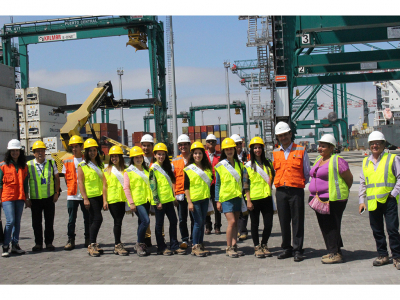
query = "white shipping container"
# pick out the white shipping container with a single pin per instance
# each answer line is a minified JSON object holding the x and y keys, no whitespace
{"x":8,"y":120}
{"x":40,"y":129}
{"x":7,"y":76}
{"x":20,"y":96}
{"x":24,"y":143}
{"x":5,"y":137}
{"x":38,"y":95}
{"x":22,"y":130}
{"x":44,"y":113}
{"x":53,"y":144}
{"x":21,"y":113}
{"x":30,"y":144}
{"x":7,"y":98}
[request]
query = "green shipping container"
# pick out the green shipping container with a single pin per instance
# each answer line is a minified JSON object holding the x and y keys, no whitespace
{"x":222,"y":127}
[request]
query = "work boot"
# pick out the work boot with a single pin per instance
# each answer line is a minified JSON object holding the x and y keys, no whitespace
{"x":92,"y":250}
{"x":333,"y":258}
{"x":101,"y":251}
{"x":120,"y":250}
{"x":184,"y":245}
{"x":5,"y":252}
{"x":50,"y":247}
{"x":266,"y":250}
{"x":165,"y":252}
{"x":240,"y":253}
{"x":37,"y":248}
{"x":70,"y":244}
{"x":196,"y":251}
{"x":380,"y":261}
{"x":87,"y":243}
{"x":147,"y":241}
{"x":217,"y":231}
{"x":207,"y":232}
{"x":179,"y":251}
{"x":258,"y":252}
{"x":242,"y":236}
{"x":339,"y":253}
{"x":141,"y":249}
{"x":396,"y":263}
{"x":203,"y":249}
{"x":16,"y":249}
{"x":230,"y":251}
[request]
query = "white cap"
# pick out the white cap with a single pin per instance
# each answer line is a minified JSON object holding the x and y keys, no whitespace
{"x":328,"y":138}
{"x":376,"y":136}
{"x":147,"y":138}
{"x":211,"y":137}
{"x":14,"y":144}
{"x":183,"y":138}
{"x":282,"y":127}
{"x":236,"y":138}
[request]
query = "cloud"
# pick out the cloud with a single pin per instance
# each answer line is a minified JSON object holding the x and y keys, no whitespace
{"x":64,"y":78}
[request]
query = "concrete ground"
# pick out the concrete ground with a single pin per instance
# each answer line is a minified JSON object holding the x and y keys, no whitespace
{"x":76,"y":267}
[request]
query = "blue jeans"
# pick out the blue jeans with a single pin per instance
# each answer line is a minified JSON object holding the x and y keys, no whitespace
{"x":142,"y":211}
{"x":199,"y":215}
{"x":169,"y":210}
{"x":183,"y":212}
{"x":13,"y":212}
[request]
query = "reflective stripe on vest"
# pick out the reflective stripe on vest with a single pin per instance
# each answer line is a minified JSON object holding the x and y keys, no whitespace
{"x":115,"y":191}
{"x":13,"y":182}
{"x":37,"y":190}
{"x":259,"y":188}
{"x":93,"y":183}
{"x":229,"y":187}
{"x":290,"y":171}
{"x":164,"y":190}
{"x":199,"y":189}
{"x":140,"y":190}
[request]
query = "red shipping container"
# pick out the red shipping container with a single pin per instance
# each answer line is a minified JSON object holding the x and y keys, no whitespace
{"x":203,"y":128}
{"x":191,"y":136}
{"x":197,"y":129}
{"x":111,"y":134}
{"x":108,"y":127}
{"x":137,"y":136}
{"x":197,"y":136}
{"x":191,"y":129}
{"x":210,"y":128}
{"x":119,"y":132}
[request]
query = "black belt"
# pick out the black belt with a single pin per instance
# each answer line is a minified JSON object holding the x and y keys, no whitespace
{"x":285,"y":187}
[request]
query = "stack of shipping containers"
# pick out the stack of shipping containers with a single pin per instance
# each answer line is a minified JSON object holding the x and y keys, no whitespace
{"x":104,"y":129}
{"x":137,"y":136}
{"x":200,"y":133}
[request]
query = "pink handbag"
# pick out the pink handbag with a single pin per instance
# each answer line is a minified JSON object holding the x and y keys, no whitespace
{"x":321,"y":207}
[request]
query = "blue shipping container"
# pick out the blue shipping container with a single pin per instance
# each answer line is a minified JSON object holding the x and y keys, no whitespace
{"x":204,"y":135}
{"x":218,"y":141}
{"x":216,"y":127}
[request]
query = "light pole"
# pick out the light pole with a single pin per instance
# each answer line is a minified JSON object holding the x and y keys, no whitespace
{"x":174,"y":114}
{"x":202,"y":117}
{"x":219,"y":120}
{"x":120,"y":72}
{"x":227,"y":64}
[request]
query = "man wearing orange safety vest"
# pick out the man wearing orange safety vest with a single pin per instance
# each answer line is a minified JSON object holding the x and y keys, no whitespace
{"x":292,"y":172}
{"x":178,"y":164}
{"x":74,"y":197}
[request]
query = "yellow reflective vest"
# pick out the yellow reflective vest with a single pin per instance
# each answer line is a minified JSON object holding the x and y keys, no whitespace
{"x":229,"y":188}
{"x":140,"y":190}
{"x":259,"y":188}
{"x":164,"y":190}
{"x":93,"y":183}
{"x":115,"y":190}
{"x":199,"y":189}
{"x":37,"y":190}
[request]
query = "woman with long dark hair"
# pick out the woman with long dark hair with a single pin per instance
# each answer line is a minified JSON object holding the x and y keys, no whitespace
{"x":258,"y":175}
{"x":90,"y":181}
{"x":13,"y":194}
{"x":198,"y":178}
{"x":114,"y":198}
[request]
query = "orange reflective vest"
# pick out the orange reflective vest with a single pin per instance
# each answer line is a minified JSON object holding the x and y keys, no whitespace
{"x":13,"y":182}
{"x":179,"y":164}
{"x":70,"y":176}
{"x":289,"y":172}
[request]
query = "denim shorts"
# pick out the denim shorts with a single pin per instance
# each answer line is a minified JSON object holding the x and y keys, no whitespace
{"x":232,"y":205}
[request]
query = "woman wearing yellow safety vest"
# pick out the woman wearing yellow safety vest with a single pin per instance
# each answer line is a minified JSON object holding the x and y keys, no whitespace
{"x":162,"y":183}
{"x":197,"y":181}
{"x":331,"y":180}
{"x":258,"y":175}
{"x":137,"y":191}
{"x":228,"y":192}
{"x":114,"y":198}
{"x":90,"y":181}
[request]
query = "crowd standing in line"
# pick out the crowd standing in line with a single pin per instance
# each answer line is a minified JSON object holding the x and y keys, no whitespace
{"x":190,"y":182}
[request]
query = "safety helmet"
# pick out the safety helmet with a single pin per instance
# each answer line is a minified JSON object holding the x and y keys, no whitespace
{"x":196,"y":145}
{"x":211,"y":137}
{"x":328,"y":138}
{"x":376,"y":136}
{"x":38,"y":145}
{"x":136,"y":151}
{"x":236,"y":138}
{"x":14,"y":144}
{"x":183,"y":138}
{"x":256,"y":140}
{"x":75,"y":139}
{"x":228,"y":143}
{"x":282,"y":127}
{"x":147,"y":138}
{"x":160,"y":147}
{"x":90,"y":143}
{"x":115,"y":150}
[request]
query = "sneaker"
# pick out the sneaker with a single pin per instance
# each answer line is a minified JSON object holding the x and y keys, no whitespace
{"x":396,"y":263}
{"x":266,"y":250}
{"x":87,"y":243}
{"x":141,"y":249}
{"x":100,"y":250}
{"x":184,"y":245}
{"x":16,"y":249}
{"x":120,"y":250}
{"x":258,"y":252}
{"x":230,"y":251}
{"x":380,"y":261}
{"x":92,"y":250}
{"x":70,"y":244}
{"x":240,"y":253}
{"x":339,"y":253}
{"x":165,"y":252}
{"x":5,"y":252}
{"x":197,"y":251}
{"x":179,"y":251}
{"x":203,"y":249}
{"x":50,"y":247}
{"x":333,"y":258}
{"x":37,"y":248}
{"x":242,"y":236}
{"x":217,"y":231}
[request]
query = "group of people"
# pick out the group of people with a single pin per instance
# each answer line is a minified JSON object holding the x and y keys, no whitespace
{"x":199,"y":182}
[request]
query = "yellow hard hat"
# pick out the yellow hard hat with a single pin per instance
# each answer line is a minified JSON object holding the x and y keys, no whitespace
{"x":38,"y":145}
{"x":196,"y":145}
{"x":228,"y":143}
{"x":256,"y":140}
{"x":75,"y":139}
{"x":90,"y":143}
{"x":160,"y":147}
{"x":135,"y":151}
{"x":115,"y":150}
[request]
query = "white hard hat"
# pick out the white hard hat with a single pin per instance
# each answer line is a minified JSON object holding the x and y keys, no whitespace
{"x":236,"y":138}
{"x":376,"y":136}
{"x":282,"y":127}
{"x":183,"y":138}
{"x":147,"y":138}
{"x":211,"y":137}
{"x":14,"y":144}
{"x":328,"y":138}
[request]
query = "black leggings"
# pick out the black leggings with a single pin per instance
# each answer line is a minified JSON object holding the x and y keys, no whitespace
{"x":117,"y":211}
{"x":95,"y":217}
{"x":265,"y":207}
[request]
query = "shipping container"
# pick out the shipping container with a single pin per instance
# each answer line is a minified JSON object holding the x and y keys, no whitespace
{"x":38,"y":95}
{"x":197,"y":129}
{"x":20,"y":97}
{"x":42,"y":129}
{"x":44,"y":113}
{"x":53,"y":144}
{"x":216,"y":128}
{"x":95,"y":126}
{"x":24,"y":144}
{"x":203,"y":128}
{"x":198,"y":140}
{"x":222,"y":127}
{"x":119,"y":132}
{"x":7,"y":76}
{"x":197,"y":136}
{"x":185,"y":130}
{"x":223,"y":134}
{"x":112,"y":135}
{"x":5,"y":137}
{"x":218,"y":141}
{"x":210,"y":132}
{"x":203,"y":141}
{"x":30,"y":144}
{"x":191,"y":136}
{"x":8,"y":120}
{"x":108,"y":127}
{"x":203,"y":135}
{"x":217,"y":134}
{"x":7,"y":98}
{"x":21,"y":113}
{"x":210,"y":128}
{"x":191,"y":141}
{"x":22,"y":130}
{"x":191,"y":129}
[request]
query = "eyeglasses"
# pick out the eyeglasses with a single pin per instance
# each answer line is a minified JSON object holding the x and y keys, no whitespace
{"x":239,"y":143}
{"x":183,"y":144}
{"x":375,"y":143}
{"x":211,"y":142}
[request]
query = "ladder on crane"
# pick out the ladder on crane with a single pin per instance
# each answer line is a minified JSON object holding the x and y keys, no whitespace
{"x":169,"y":71}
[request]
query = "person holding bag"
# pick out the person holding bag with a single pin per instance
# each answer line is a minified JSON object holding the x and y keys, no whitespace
{"x":137,"y":191}
{"x":198,"y":178}
{"x":228,"y":192}
{"x":90,"y":182}
{"x":329,"y":187}
{"x":114,"y":198}
{"x":257,"y":177}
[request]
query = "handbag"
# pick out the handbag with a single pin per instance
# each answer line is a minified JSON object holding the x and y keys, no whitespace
{"x":321,"y":207}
